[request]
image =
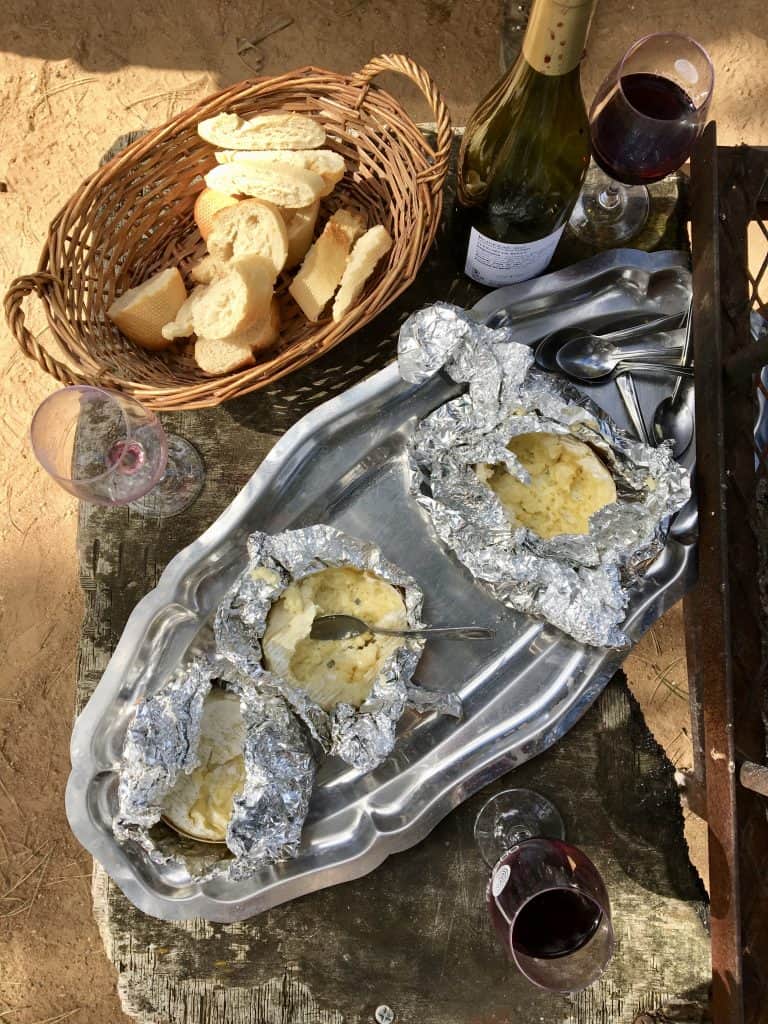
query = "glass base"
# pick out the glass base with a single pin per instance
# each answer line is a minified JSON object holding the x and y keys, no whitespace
{"x":608,"y":213}
{"x":179,"y":486}
{"x":511,"y":817}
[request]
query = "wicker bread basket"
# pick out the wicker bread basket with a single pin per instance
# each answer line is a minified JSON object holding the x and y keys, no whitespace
{"x":134,"y":217}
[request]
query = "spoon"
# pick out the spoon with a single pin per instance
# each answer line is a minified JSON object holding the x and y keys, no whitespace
{"x":632,"y":366}
{"x":338,"y":627}
{"x":546,"y":350}
{"x":673,"y":418}
{"x":592,"y":358}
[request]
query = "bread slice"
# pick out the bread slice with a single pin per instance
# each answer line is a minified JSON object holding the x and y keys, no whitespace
{"x":252,"y":226}
{"x":206,"y":270}
{"x":141,"y":312}
{"x":329,"y":165}
{"x":265,"y":131}
{"x":240,"y":297}
{"x":368,"y":250}
{"x":223,"y":355}
{"x":207,"y":205}
{"x":184,"y":322}
{"x":324,"y":264}
{"x":300,"y":225}
{"x":275,"y":183}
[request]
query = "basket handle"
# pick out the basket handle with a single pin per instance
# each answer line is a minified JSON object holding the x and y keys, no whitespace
{"x":41,"y":284}
{"x":434,"y":176}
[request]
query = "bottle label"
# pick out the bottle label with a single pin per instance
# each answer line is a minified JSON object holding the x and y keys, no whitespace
{"x":498,"y":263}
{"x":557,"y":30}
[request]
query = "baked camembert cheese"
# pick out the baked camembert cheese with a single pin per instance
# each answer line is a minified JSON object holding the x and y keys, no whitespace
{"x":569,"y":483}
{"x":200,"y":804}
{"x":333,"y":671}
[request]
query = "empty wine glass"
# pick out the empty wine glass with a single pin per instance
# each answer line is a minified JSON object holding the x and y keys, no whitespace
{"x":644,"y":121}
{"x":106,"y":448}
{"x":547,"y":901}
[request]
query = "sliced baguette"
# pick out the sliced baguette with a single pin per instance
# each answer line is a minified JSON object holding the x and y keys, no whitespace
{"x":183,"y":324}
{"x":329,"y":165}
{"x":206,"y":271}
{"x":240,"y":297}
{"x":275,"y":183}
{"x":252,"y":226}
{"x":223,"y":355}
{"x":368,"y":250}
{"x":300,"y":225}
{"x":207,"y":205}
{"x":141,"y":312}
{"x":324,"y":264}
{"x":265,"y":131}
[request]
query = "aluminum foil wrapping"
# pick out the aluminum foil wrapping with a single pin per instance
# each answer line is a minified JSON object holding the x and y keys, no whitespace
{"x":362,"y":736}
{"x":161,"y":743}
{"x":579,"y":583}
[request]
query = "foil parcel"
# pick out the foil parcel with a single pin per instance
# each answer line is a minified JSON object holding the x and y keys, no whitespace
{"x":578,"y":582}
{"x":287,"y":733}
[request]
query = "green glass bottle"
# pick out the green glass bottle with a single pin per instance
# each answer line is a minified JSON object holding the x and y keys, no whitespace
{"x":525,"y":152}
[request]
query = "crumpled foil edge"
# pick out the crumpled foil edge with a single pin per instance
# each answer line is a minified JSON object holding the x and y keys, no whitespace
{"x":162,"y":742}
{"x":364,"y":736}
{"x":286,"y":732}
{"x":579,"y":583}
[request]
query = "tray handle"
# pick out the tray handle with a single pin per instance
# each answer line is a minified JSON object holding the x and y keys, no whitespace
{"x":434,"y":175}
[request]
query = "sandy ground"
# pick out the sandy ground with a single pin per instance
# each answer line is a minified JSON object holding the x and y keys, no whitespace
{"x":73,"y":76}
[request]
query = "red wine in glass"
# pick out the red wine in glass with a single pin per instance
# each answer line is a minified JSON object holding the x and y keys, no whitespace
{"x":555,"y":923}
{"x":546,"y":899}
{"x":636,"y":157}
{"x":647,"y":115}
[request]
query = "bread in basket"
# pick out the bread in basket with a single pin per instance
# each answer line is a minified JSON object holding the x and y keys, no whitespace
{"x":134,"y":216}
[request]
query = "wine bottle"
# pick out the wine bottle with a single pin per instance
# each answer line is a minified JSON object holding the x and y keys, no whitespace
{"x":525,"y":152}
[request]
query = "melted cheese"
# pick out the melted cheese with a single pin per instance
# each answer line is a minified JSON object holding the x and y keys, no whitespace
{"x":200,"y":804}
{"x":333,"y":671}
{"x":568,"y":484}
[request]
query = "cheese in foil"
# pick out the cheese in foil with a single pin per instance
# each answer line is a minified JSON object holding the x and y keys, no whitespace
{"x":200,"y":803}
{"x":566,"y":484}
{"x":333,"y":671}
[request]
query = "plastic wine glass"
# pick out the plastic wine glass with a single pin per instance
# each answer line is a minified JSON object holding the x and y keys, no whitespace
{"x":547,"y":901}
{"x":644,"y":121}
{"x":108,"y":449}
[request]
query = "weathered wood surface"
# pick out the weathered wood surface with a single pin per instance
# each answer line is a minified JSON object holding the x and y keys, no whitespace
{"x":413,"y":935}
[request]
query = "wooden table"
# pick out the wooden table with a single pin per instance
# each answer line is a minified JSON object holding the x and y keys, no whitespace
{"x":413,"y":935}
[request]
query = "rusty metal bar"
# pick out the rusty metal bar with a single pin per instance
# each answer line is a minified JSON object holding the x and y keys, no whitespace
{"x":709,"y":618}
{"x":723,"y":625}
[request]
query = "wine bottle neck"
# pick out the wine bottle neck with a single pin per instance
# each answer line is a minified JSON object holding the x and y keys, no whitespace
{"x":556,"y":33}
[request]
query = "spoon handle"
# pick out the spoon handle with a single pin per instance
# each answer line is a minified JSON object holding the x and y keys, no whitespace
{"x":635,"y":367}
{"x":687,"y":355}
{"x":647,"y":349}
{"x":649,"y":327}
{"x":442,"y":632}
{"x":626,"y":387}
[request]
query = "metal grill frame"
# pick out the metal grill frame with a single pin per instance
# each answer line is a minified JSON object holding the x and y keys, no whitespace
{"x":723,"y":614}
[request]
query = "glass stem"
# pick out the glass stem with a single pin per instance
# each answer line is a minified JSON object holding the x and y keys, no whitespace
{"x":512,"y":837}
{"x":610,"y":197}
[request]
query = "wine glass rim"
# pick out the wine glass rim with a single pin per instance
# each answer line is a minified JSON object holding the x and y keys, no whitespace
{"x":82,"y":388}
{"x":664,"y":35}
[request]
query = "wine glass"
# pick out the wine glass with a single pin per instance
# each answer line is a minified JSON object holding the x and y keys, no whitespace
{"x":547,"y":901}
{"x":106,"y":448}
{"x":644,"y":121}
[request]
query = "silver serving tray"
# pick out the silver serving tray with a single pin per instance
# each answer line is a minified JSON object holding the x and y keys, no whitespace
{"x":345,"y":464}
